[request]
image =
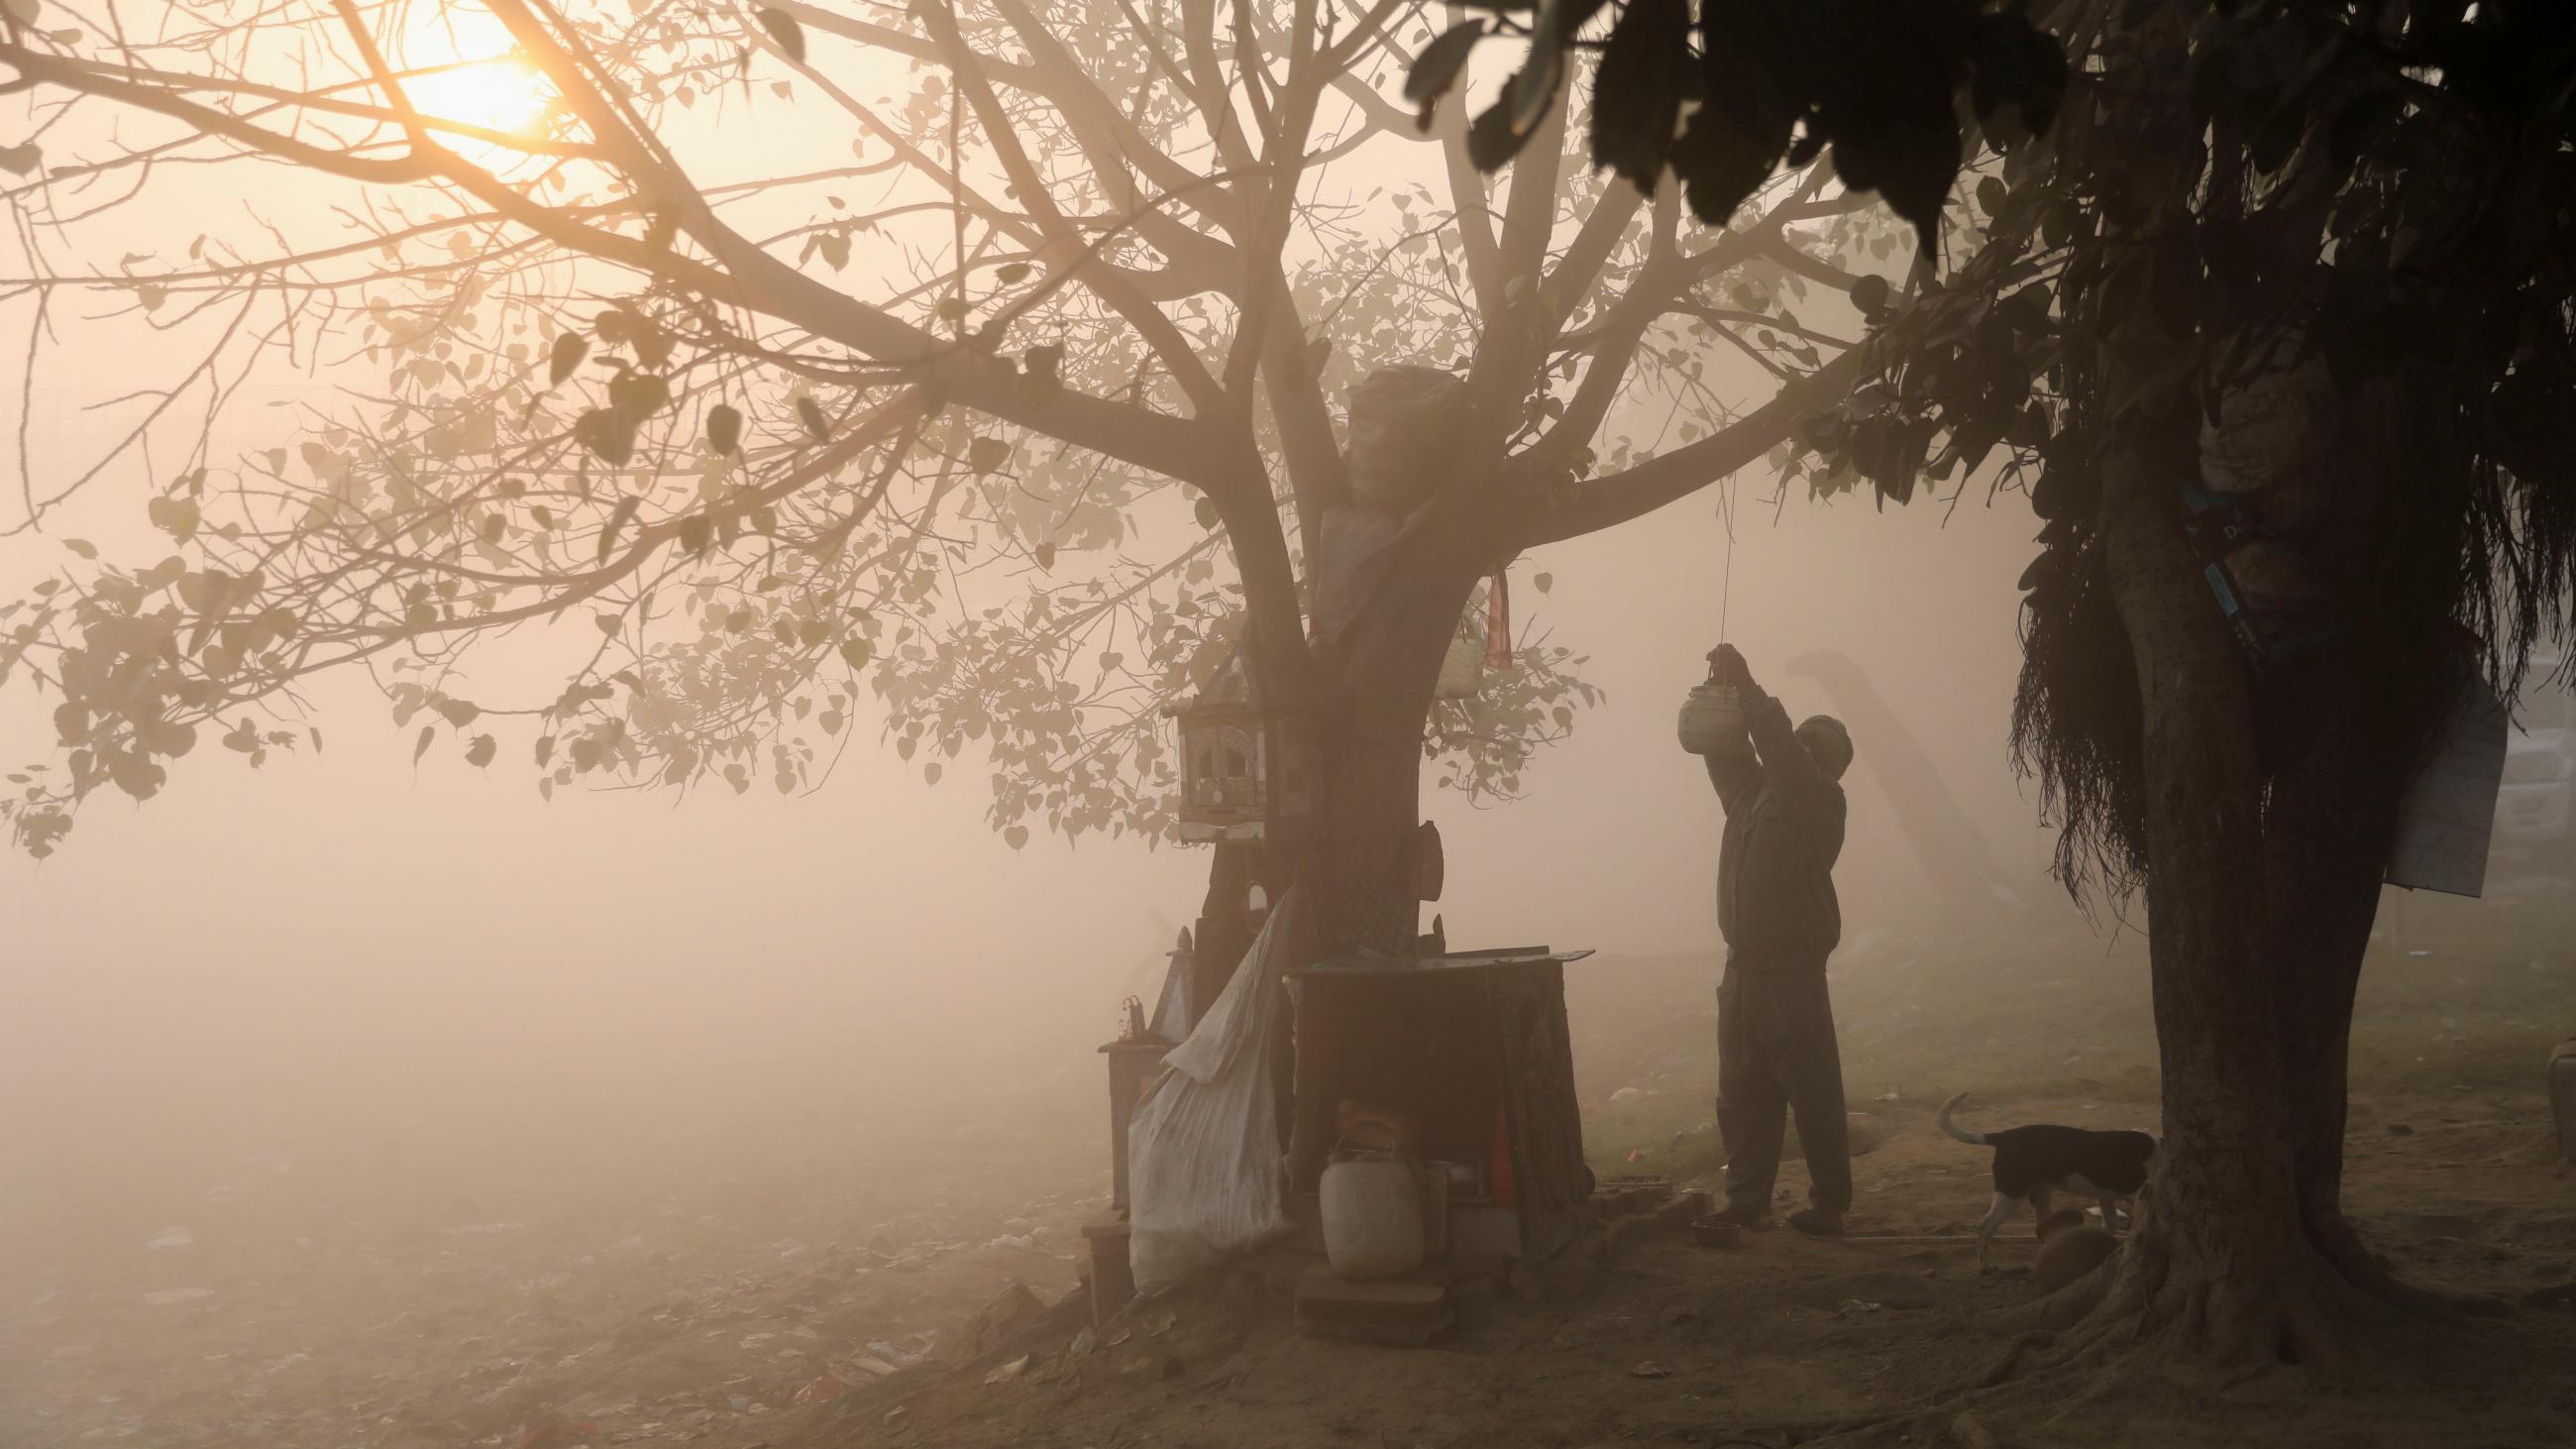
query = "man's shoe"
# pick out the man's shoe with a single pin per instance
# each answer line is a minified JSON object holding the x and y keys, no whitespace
{"x":1817,"y":1223}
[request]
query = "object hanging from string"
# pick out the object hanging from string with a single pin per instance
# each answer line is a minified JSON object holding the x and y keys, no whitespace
{"x":1726,"y":578}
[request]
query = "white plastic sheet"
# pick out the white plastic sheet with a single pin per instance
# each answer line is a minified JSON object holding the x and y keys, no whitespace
{"x":2447,"y":816}
{"x":1205,"y":1176}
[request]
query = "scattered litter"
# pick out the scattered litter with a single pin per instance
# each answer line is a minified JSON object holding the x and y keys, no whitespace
{"x":164,"y":1297}
{"x":1887,"y":1096}
{"x":171,"y":1238}
{"x":1025,"y":1242}
{"x":1855,"y":1305}
{"x":1011,"y":1310}
{"x":1009,"y":1371}
{"x":1084,"y":1342}
{"x":1653,"y":1368}
{"x":1161,"y":1323}
{"x":822,"y":1391}
{"x":900,"y":1358}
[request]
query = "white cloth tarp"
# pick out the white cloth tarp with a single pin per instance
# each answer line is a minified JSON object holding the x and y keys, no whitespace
{"x":1205,"y":1176}
{"x":2447,"y":816}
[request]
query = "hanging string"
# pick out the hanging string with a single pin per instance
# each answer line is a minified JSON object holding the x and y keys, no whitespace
{"x":1726,"y":580}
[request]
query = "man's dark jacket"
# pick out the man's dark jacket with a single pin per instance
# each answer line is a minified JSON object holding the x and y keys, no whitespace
{"x":1775,"y":864}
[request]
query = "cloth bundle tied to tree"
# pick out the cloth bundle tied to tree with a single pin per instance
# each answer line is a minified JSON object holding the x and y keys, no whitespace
{"x":1404,"y":428}
{"x":1404,"y":422}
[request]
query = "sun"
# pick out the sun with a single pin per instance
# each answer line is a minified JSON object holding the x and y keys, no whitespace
{"x":498,"y":95}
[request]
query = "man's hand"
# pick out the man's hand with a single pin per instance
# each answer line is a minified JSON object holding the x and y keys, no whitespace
{"x":1726,"y":666}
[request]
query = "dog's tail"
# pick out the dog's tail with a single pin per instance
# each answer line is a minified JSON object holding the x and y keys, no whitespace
{"x":1974,"y":1139}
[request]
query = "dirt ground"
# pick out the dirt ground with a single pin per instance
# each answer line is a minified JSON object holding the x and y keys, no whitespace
{"x":316,"y":1316}
{"x":1772,"y":1340}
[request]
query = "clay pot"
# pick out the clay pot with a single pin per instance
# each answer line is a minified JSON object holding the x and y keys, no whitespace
{"x":1712,"y":720}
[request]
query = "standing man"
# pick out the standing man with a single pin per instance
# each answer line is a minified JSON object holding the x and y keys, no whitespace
{"x":1777,"y":911}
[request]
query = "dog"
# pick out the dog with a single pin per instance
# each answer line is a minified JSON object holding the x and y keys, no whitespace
{"x":2069,"y":1248}
{"x":2033,"y":1162}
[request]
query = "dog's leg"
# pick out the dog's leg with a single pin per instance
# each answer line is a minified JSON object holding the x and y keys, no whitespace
{"x":2110,"y":1213}
{"x":1996,"y":1211}
{"x":2039,"y":1206}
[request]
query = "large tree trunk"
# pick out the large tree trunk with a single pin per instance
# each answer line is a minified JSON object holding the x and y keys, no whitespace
{"x":1382,"y":674}
{"x":2269,"y":823}
{"x":1369,"y":801}
{"x":2219,"y":1228}
{"x":2328,"y":834}
{"x":2269,"y":819}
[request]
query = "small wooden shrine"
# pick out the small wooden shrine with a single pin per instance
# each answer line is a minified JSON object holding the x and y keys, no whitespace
{"x":1469,"y":1051}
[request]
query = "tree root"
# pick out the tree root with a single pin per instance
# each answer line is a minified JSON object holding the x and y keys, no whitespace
{"x":2332,"y":1234}
{"x":2064,"y":1308}
{"x":2142,"y":1322}
{"x":2225,"y":1337}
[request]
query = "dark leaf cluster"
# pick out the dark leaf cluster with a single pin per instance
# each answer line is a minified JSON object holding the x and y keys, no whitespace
{"x":1726,"y":92}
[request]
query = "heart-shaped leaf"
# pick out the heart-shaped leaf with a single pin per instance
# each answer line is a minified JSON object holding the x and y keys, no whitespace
{"x":569,"y":349}
{"x":608,"y":436}
{"x":782,"y":27}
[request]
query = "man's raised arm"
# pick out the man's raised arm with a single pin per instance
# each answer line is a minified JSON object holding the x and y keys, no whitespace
{"x":1734,"y":772}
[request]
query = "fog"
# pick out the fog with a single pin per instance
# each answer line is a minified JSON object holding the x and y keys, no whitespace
{"x":366,"y":1097}
{"x":400,"y":1002}
{"x":333,"y":945}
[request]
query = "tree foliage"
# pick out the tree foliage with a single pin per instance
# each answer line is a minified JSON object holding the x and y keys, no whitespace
{"x":1726,"y":96}
{"x":964,"y":370}
{"x":2375,"y":297}
{"x":2367,"y":269}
